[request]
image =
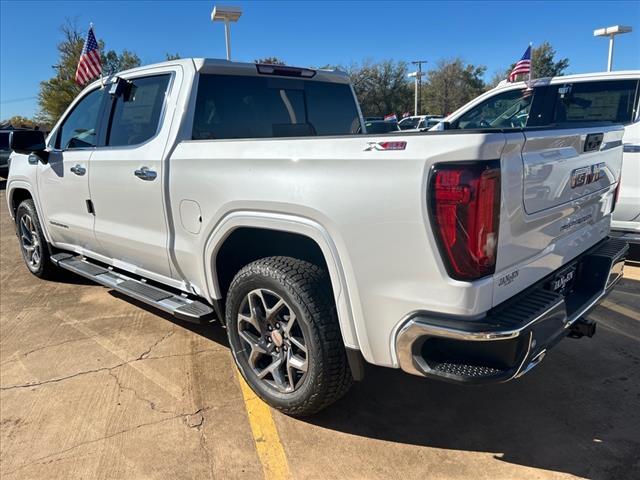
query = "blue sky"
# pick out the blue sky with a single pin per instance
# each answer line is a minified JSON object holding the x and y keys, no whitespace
{"x":494,"y":34}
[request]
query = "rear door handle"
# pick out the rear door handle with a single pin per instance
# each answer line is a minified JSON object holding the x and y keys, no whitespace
{"x":145,"y":174}
{"x":78,"y":170}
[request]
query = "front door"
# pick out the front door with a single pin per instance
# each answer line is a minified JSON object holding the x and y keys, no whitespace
{"x":126,"y":180}
{"x":63,"y":182}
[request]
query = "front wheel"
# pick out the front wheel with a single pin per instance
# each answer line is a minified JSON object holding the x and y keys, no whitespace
{"x":33,"y":245}
{"x":285,"y":337}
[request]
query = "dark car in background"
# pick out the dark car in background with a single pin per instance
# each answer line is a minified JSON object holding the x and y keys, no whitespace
{"x":5,"y":151}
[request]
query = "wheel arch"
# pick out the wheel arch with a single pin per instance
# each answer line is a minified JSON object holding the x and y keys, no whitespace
{"x":17,"y":192}
{"x":306,"y":231}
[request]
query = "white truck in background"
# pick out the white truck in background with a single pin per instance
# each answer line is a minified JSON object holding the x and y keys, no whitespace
{"x":604,"y":97}
{"x":243,"y":193}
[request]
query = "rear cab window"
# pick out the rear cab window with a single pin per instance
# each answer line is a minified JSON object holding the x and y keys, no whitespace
{"x":237,"y":106}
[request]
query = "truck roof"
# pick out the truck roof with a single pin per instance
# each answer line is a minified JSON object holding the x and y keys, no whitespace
{"x":222,"y":66}
{"x":619,"y":74}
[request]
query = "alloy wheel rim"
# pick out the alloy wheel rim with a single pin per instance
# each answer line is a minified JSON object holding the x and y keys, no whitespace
{"x":274,"y":343}
{"x":30,"y":242}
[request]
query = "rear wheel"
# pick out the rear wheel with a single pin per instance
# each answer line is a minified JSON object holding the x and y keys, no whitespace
{"x":285,"y":337}
{"x":33,"y":245}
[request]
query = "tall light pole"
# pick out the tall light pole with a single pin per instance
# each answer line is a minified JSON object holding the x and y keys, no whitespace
{"x":611,"y":32}
{"x":226,"y":15}
{"x":418,"y":84}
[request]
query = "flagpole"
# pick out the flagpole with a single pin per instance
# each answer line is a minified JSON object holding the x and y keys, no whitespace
{"x":530,"y":63}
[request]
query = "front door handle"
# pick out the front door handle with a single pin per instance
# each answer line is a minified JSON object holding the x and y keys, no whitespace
{"x":78,"y":169}
{"x":145,"y":174}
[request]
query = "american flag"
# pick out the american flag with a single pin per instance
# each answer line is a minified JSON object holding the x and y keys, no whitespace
{"x":390,"y":118}
{"x":523,"y":65}
{"x":89,"y":66}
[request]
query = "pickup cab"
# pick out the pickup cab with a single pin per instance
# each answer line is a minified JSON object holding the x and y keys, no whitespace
{"x":244,"y":194}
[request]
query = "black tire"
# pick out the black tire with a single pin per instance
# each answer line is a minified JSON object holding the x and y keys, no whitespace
{"x":43,"y":268}
{"x":306,"y":291}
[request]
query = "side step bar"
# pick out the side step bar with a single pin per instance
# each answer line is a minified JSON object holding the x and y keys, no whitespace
{"x":178,"y":305}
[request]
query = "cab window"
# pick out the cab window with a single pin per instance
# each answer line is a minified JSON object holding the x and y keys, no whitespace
{"x":605,"y":101}
{"x":135,"y":115}
{"x":506,"y":110}
{"x":79,"y":129}
{"x":231,"y":106}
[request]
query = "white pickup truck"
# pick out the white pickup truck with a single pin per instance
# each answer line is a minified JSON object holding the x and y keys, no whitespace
{"x":242,"y":193}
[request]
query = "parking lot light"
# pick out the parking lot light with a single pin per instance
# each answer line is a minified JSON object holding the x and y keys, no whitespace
{"x":226,"y":15}
{"x":611,"y":32}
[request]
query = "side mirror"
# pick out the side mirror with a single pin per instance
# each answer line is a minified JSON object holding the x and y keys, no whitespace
{"x":28,"y":142}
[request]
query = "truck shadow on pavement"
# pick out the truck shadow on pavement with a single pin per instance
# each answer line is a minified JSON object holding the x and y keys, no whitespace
{"x":576,"y":413}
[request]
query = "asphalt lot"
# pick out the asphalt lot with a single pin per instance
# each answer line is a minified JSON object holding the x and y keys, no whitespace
{"x":93,"y":385}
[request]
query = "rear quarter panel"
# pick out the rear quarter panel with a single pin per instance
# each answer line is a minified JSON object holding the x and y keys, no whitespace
{"x":371,"y":203}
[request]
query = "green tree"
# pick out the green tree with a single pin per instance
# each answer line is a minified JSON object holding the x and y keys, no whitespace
{"x":18,"y":121}
{"x":451,"y":84}
{"x":381,"y":87}
{"x":59,"y":91}
{"x":173,"y":56}
{"x":114,"y":63}
{"x":270,"y":61}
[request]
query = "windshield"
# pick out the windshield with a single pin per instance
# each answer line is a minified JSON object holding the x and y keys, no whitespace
{"x":407,"y":123}
{"x":506,"y":110}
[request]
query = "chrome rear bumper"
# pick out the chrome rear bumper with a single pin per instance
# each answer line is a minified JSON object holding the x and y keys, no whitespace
{"x":513,"y":337}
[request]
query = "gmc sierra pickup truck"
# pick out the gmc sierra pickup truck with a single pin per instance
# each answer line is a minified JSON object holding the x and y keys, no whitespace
{"x":252,"y":195}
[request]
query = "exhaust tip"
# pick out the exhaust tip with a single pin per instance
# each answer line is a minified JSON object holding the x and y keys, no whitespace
{"x":582,"y":328}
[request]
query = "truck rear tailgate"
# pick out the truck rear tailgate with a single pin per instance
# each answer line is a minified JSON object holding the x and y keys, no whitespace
{"x":563,"y":204}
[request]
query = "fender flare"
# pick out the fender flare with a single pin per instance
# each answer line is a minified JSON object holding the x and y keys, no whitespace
{"x":12,"y":186}
{"x":291,"y":224}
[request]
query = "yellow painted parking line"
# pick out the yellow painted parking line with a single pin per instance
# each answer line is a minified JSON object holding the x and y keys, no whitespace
{"x":609,"y":305}
{"x":265,"y":435}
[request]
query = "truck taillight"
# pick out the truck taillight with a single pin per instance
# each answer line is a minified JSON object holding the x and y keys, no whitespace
{"x":465,"y":214}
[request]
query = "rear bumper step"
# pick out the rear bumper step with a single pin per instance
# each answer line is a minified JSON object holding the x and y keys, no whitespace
{"x":514,"y":336}
{"x":176,"y":304}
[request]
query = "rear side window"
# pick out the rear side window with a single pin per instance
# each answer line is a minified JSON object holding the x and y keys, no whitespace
{"x":135,"y":116}
{"x":606,"y":101}
{"x":233,"y":106}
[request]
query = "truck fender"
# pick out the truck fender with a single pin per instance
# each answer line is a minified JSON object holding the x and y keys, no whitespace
{"x":291,"y":224}
{"x":14,"y":185}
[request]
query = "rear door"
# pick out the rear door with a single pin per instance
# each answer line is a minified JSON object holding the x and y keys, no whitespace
{"x":127,"y":174}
